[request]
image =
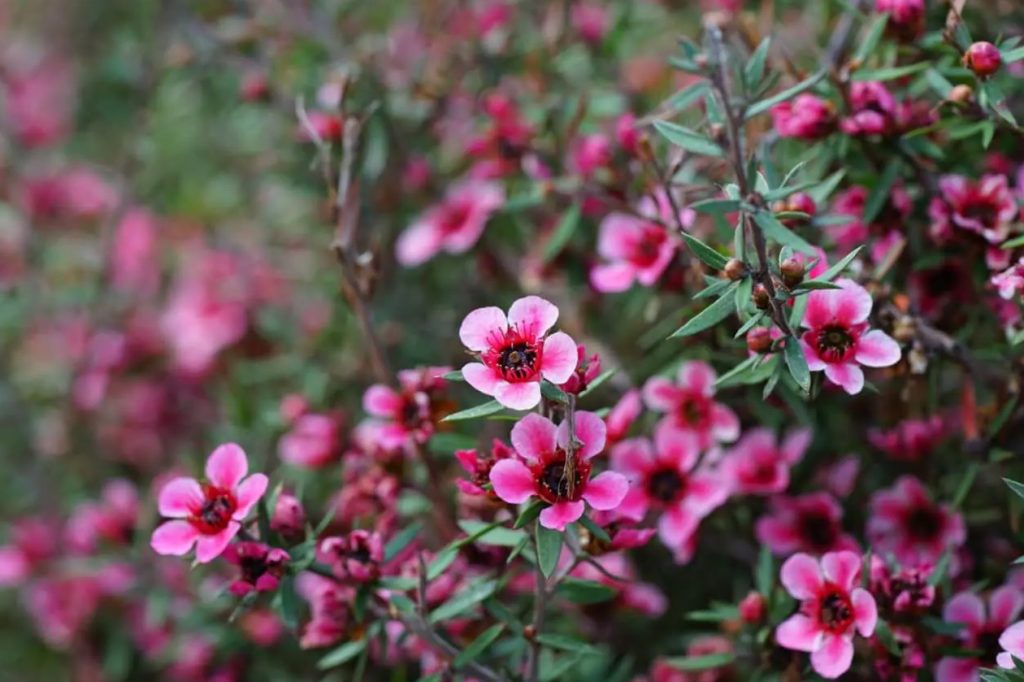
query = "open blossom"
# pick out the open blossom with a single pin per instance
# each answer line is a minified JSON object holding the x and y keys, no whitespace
{"x":541,"y":470}
{"x":839,"y":340}
{"x":209,"y":514}
{"x":313,"y":441}
{"x":906,"y":522}
{"x":356,"y":556}
{"x":885,"y":230}
{"x":1010,"y":282}
{"x":981,"y":628}
{"x":1012,"y":644}
{"x":809,"y":523}
{"x":587,"y":369}
{"x":409,"y":414}
{"x":689,"y":404}
{"x":911,"y":440}
{"x":454,"y":225}
{"x":516,"y":352}
{"x":667,"y":476}
{"x":806,"y":117}
{"x":759,"y":465}
{"x":902,"y":589}
{"x":330,"y":610}
{"x":832,"y":607}
{"x":260,"y":567}
{"x":478,"y":465}
{"x":985,"y":208}
{"x":636,"y":249}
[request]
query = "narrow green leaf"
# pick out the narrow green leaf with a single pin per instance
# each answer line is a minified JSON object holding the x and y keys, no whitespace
{"x":1013,"y":55}
{"x":890,"y":73}
{"x":581,"y":591}
{"x":965,"y":485}
{"x":401,"y":541}
{"x":596,"y":383}
{"x":489,"y":534}
{"x":706,"y":254}
{"x":562,"y":234}
{"x":765,"y":577}
{"x":749,"y":324}
{"x":552,"y":392}
{"x":737,"y":370}
{"x":478,"y":645}
{"x":453,"y":376}
{"x":594,"y":529}
{"x":1017,"y":488}
{"x":766,"y":104}
{"x":778,"y":232}
{"x":753,"y":72}
{"x":549,"y":548}
{"x":464,"y":600}
{"x":716,"y":206}
{"x":880,"y":192}
{"x":885,"y":636}
{"x":836,"y":269}
{"x":342,"y":655}
{"x":705,"y":662}
{"x":938,"y":573}
{"x":563,"y":642}
{"x":488,"y":408}
{"x":871,"y":39}
{"x":797,"y":364}
{"x":710,"y":316}
{"x":687,"y":139}
{"x":820,"y":193}
{"x":531,"y":512}
{"x":688,"y":95}
{"x":939,"y":83}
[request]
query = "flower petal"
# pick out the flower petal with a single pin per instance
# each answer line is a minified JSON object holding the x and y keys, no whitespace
{"x":849,"y":376}
{"x":952,"y":669}
{"x":481,"y":377}
{"x":865,"y":611}
{"x":877,"y":349}
{"x":612,"y":278}
{"x":560,"y":515}
{"x":834,"y":656}
{"x":418,"y":243}
{"x":634,"y":504}
{"x":660,"y":394}
{"x":966,"y":608}
{"x":799,"y":633}
{"x":382,"y":401}
{"x":559,"y":358}
{"x":676,"y":526}
{"x":248,"y":494}
{"x":1004,"y":605}
{"x":841,"y":568}
{"x":801,"y":576}
{"x":174,"y":538}
{"x":1012,"y":641}
{"x":523,"y":396}
{"x":179,"y":497}
{"x":209,"y":547}
{"x":533,"y":436}
{"x":725,"y":425}
{"x":697,"y":377}
{"x":632,"y":457}
{"x":533,"y":315}
{"x":481,"y":326}
{"x":512,"y":481}
{"x":590,"y":432}
{"x":227,"y":466}
{"x":605,"y":491}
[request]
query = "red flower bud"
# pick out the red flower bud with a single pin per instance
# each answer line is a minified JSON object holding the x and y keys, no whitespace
{"x":734,"y":269}
{"x":759,"y":340}
{"x":792,"y":272}
{"x":762,"y":299}
{"x":983,"y":58}
{"x":752,"y":609}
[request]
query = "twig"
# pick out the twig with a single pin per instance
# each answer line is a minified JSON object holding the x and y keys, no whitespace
{"x":539,"y":605}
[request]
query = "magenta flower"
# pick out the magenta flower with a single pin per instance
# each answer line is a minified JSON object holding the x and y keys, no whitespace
{"x":881,"y":235}
{"x":478,"y":465}
{"x":874,"y":110}
{"x":809,"y":523}
{"x":838,"y":339}
{"x":911,"y":440}
{"x":902,"y":589}
{"x":208,"y":514}
{"x":1012,"y":643}
{"x":831,"y":609}
{"x":515,"y":353}
{"x":983,"y":58}
{"x":669,"y":478}
{"x":356,"y":556}
{"x":759,"y":464}
{"x":906,"y":17}
{"x":1010,"y":282}
{"x":540,"y":470}
{"x":980,"y":629}
{"x":453,"y":226}
{"x":637,"y":250}
{"x":622,"y":415}
{"x":260,"y":567}
{"x":806,"y":117}
{"x":689,"y":406}
{"x":906,"y":522}
{"x":985,"y":208}
{"x":314,"y":441}
{"x":409,"y":414}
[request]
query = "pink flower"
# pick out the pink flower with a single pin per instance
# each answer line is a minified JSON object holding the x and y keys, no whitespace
{"x":39,"y":100}
{"x":831,"y":609}
{"x":883,"y":233}
{"x":906,"y":522}
{"x":478,"y":465}
{"x":454,"y":225}
{"x":515,"y":353}
{"x":637,"y":250}
{"x":356,"y":556}
{"x":809,"y":523}
{"x":208,"y":515}
{"x":134,"y":263}
{"x":838,"y":339}
{"x":986,"y":208}
{"x":981,"y":626}
{"x":689,"y":406}
{"x":911,"y":440}
{"x":288,"y":518}
{"x":906,"y":17}
{"x":623,"y":414}
{"x":903,"y":590}
{"x":590,"y":20}
{"x":1010,"y":282}
{"x":330,"y":616}
{"x":313,"y":441}
{"x":410,"y":413}
{"x":759,"y":465}
{"x":260,"y":567}
{"x":589,"y":154}
{"x":806,"y":117}
{"x":669,"y":478}
{"x":540,"y":469}
{"x":587,"y":369}
{"x":1012,"y":643}
{"x":874,"y":110}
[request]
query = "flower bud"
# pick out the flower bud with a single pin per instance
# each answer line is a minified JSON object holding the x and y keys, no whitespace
{"x":762,"y":299}
{"x":759,"y":340}
{"x":960,"y":94}
{"x":983,"y":58}
{"x":792,"y":272}
{"x":752,"y":609}
{"x":734,"y":269}
{"x":289,"y":519}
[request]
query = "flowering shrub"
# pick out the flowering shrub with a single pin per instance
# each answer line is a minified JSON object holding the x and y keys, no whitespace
{"x":493,"y":340}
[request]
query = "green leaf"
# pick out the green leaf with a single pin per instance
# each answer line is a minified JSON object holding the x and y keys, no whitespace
{"x":453,"y":376}
{"x":965,"y":485}
{"x":753,"y":72}
{"x":549,"y":548}
{"x":880,"y":192}
{"x":552,"y":392}
{"x":688,"y":95}
{"x":478,"y":645}
{"x":562,"y":234}
{"x":766,"y":104}
{"x":823,"y":191}
{"x":488,"y":408}
{"x":401,"y":541}
{"x":441,"y":561}
{"x":885,"y":636}
{"x":716,"y":206}
{"x":871,"y":39}
{"x":531,"y":512}
{"x":939,"y":83}
{"x":342,"y":655}
{"x":563,"y":642}
{"x":594,"y":529}
{"x":687,"y":139}
{"x":938,"y":573}
{"x":489,"y":534}
{"x":1013,"y":55}
{"x":765,"y":577}
{"x":448,"y":442}
{"x":737,"y":370}
{"x":464,"y":600}
{"x":1017,"y":488}
{"x":834,"y":271}
{"x":289,"y":602}
{"x":706,"y":254}
{"x":710,"y":316}
{"x":797,"y":364}
{"x":601,"y":378}
{"x":581,"y":591}
{"x":705,"y":662}
{"x":890,"y":73}
{"x":749,"y":324}
{"x":778,"y":232}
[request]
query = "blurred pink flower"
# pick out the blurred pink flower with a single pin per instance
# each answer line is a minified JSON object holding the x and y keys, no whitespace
{"x":810,"y":523}
{"x":759,"y":465}
{"x":453,"y":226}
{"x":689,"y":405}
{"x":807,"y":117}
{"x":980,"y":627}
{"x":906,"y":522}
{"x":313,"y":441}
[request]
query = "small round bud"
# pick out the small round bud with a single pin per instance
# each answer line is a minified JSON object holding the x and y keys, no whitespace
{"x":759,"y":340}
{"x":735,"y":269}
{"x":529,"y":632}
{"x":983,"y":58}
{"x":792,"y":272}
{"x":762,"y":299}
{"x":752,"y":608}
{"x":961,"y":94}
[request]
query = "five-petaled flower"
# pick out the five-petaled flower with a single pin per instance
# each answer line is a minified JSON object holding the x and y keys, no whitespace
{"x":906,"y":522}
{"x":209,"y":514}
{"x":669,"y":477}
{"x":408,"y":415}
{"x":260,"y":567}
{"x":516,"y":352}
{"x":636,"y":248}
{"x":839,"y":340}
{"x":689,"y":406}
{"x":831,"y":608}
{"x":809,"y":523}
{"x":543,"y":469}
{"x":759,"y":464}
{"x":980,"y":631}
{"x":454,"y":225}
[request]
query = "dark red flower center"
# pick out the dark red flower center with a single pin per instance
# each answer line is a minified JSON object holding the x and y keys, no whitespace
{"x":835,"y":610}
{"x":515,"y":356}
{"x":666,"y":485}
{"x":694,"y":410}
{"x":924,"y":523}
{"x":982,"y":212}
{"x":834,"y":342}
{"x":454,"y":216}
{"x":557,"y":482}
{"x":216,"y":510}
{"x":648,"y":247}
{"x":817,"y":530}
